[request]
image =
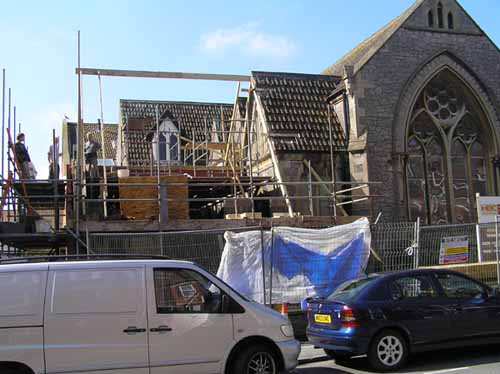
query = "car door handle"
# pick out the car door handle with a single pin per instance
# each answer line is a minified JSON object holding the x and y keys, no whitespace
{"x":133,"y":330}
{"x":161,"y":329}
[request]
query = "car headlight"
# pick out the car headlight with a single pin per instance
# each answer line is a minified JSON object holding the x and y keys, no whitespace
{"x":287,"y":330}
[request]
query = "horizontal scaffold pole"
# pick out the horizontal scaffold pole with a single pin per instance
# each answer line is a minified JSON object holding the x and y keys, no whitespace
{"x":162,"y":74}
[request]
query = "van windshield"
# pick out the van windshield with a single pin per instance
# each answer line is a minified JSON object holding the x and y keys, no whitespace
{"x":350,"y":289}
{"x":232,"y":289}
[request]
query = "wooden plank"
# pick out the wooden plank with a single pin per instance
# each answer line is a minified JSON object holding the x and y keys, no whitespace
{"x":178,"y":205}
{"x":212,"y":224}
{"x":163,"y":74}
{"x":231,"y":135}
{"x":210,"y":146}
{"x":274,"y":157}
{"x":323,"y":187}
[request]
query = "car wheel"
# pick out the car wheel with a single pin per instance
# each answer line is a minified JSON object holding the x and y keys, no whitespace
{"x":388,"y":351}
{"x":257,"y":359}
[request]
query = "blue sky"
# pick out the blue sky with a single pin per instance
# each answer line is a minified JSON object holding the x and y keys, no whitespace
{"x":38,"y":48}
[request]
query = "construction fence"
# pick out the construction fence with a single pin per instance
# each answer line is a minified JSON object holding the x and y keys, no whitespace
{"x":284,"y":266}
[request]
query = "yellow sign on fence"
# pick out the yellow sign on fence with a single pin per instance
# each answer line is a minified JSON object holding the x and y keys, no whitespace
{"x":454,"y":250}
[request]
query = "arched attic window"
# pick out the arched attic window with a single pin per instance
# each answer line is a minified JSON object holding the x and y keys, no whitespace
{"x":449,"y":144}
{"x":451,"y":26}
{"x":430,"y":17}
{"x":165,"y":142}
{"x":440,"y":16}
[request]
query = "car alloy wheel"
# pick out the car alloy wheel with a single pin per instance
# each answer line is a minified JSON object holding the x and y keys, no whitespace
{"x":261,"y":363}
{"x":390,"y":350}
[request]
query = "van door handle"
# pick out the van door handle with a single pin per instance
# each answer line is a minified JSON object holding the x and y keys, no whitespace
{"x":133,"y":330}
{"x":161,"y":329}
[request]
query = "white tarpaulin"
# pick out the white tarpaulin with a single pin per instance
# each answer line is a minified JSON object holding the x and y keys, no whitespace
{"x":298,"y":263}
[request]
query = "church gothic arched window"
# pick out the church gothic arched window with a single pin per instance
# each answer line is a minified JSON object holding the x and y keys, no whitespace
{"x":440,"y":15}
{"x":451,"y":25}
{"x":448,"y":147}
{"x":430,"y":18}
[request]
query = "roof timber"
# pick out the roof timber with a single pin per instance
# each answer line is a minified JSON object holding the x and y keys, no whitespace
{"x":162,"y":74}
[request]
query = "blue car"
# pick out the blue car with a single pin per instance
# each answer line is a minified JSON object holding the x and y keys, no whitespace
{"x":390,"y":316}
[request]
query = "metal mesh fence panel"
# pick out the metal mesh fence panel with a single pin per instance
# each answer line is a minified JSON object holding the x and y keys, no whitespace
{"x":295,"y":260}
{"x":202,"y":247}
{"x":126,"y":244}
{"x":393,"y":246}
{"x":430,"y":239}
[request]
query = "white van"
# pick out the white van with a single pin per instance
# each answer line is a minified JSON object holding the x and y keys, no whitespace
{"x":135,"y":317}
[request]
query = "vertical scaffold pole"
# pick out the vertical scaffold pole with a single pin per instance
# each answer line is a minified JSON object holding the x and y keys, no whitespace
{"x":332,"y":162}
{"x":77,"y":177}
{"x":9,"y":198}
{"x":497,"y":248}
{"x":3,"y":123}
{"x":14,"y":208}
{"x":158,"y":159}
{"x":103,"y":150}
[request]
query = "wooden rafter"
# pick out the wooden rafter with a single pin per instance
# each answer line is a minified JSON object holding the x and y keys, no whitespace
{"x":162,"y":74}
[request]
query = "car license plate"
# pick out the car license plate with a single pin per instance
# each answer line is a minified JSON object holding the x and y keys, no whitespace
{"x":323,"y":318}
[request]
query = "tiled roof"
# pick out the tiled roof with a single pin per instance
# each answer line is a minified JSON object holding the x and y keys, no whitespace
{"x":359,"y":55}
{"x":191,"y":117}
{"x":242,"y":106}
{"x":295,"y":105}
{"x":110,"y":136}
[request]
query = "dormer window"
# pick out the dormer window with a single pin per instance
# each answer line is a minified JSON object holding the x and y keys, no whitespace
{"x":451,"y":26}
{"x":165,"y":142}
{"x":431,"y":18}
{"x":440,"y":16}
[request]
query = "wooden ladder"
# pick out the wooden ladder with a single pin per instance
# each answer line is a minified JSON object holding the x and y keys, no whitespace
{"x":20,"y":173}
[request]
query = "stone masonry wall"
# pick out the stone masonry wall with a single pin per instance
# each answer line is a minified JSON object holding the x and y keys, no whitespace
{"x":380,"y":84}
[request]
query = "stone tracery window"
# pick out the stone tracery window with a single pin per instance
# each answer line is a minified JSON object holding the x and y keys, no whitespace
{"x":447,"y":153}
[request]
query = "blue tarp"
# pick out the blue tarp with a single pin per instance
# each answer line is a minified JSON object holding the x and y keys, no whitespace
{"x":325,"y":272}
{"x":300,"y":263}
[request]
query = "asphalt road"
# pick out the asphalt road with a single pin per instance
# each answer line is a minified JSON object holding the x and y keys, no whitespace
{"x":477,"y":360}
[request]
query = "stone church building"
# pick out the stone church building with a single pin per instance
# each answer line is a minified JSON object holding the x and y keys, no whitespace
{"x":419,"y":101}
{"x":413,"y":110}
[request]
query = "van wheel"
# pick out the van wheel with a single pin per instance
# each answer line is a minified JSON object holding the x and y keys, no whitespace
{"x":388,"y":351}
{"x":256,"y":359}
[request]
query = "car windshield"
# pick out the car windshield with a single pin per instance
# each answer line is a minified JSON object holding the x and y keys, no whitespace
{"x":351,"y":288}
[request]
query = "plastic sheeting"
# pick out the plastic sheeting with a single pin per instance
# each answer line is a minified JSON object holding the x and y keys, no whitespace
{"x":291,"y":264}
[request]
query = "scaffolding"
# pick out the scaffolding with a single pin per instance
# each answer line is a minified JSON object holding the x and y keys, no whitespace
{"x":230,"y":167}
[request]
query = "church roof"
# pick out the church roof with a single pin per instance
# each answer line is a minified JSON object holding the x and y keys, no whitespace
{"x":296,"y":112}
{"x":358,"y":56}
